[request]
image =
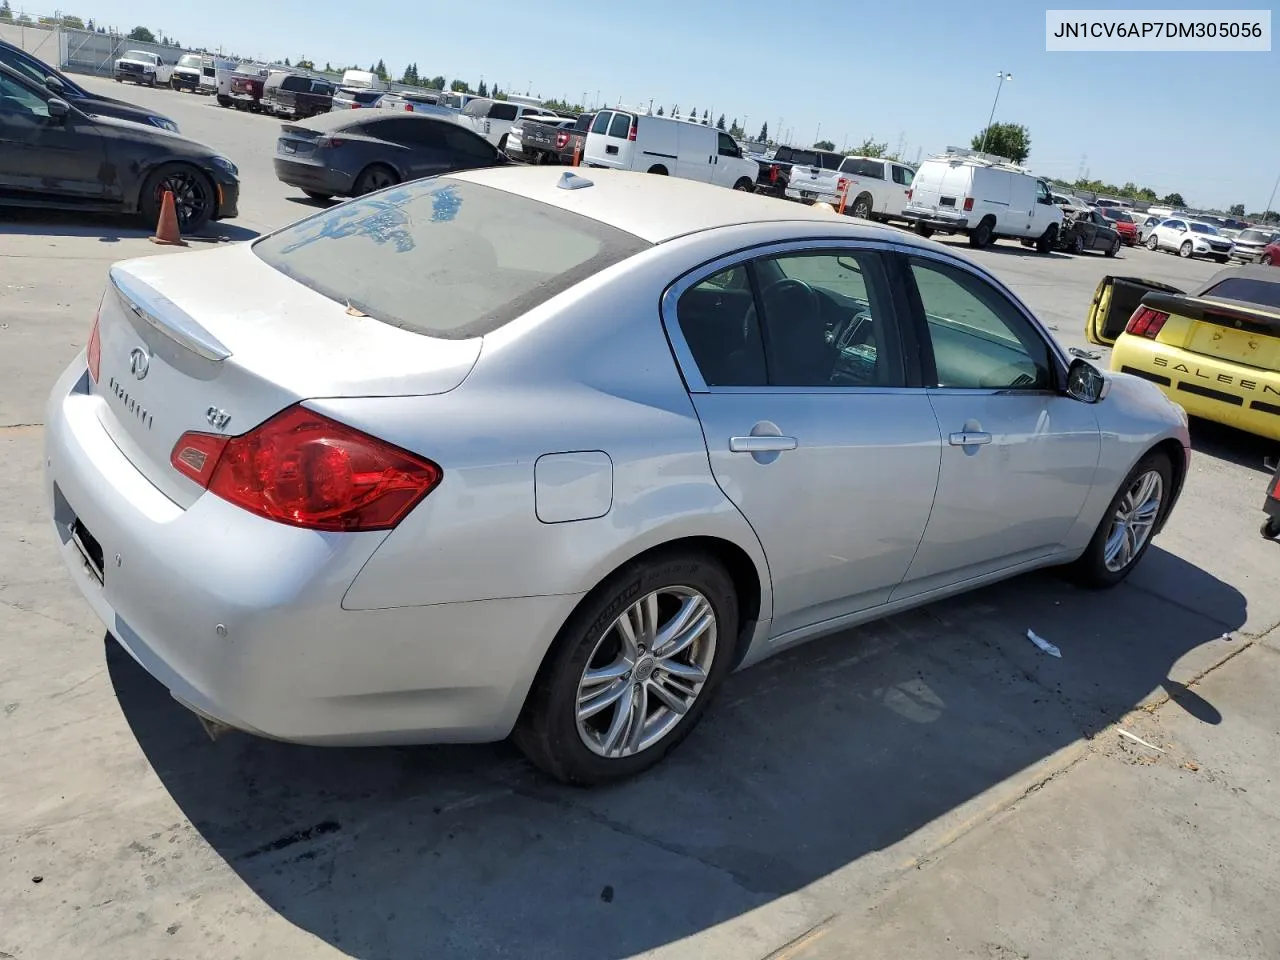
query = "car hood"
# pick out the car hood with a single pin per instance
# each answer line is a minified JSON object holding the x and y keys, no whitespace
{"x":105,"y":108}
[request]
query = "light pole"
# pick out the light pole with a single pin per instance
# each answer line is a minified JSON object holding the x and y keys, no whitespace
{"x":1266,"y":213}
{"x":987,"y":132}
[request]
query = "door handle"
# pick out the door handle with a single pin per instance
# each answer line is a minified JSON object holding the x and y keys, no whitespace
{"x":764,"y":444}
{"x":969,"y":438}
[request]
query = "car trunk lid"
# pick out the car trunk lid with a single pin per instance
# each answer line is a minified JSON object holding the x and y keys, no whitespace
{"x":183,"y":349}
{"x":1223,"y":329}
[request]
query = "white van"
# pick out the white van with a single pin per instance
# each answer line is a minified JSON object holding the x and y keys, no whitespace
{"x":983,"y":198}
{"x":627,"y":140}
{"x":361,"y":80}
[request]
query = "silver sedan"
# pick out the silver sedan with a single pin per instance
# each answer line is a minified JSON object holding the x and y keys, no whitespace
{"x":516,"y":452}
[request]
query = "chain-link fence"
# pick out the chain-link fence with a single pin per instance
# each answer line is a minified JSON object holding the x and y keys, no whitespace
{"x":74,"y":49}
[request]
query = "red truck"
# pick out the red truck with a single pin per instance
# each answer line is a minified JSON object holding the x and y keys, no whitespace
{"x":246,"y":89}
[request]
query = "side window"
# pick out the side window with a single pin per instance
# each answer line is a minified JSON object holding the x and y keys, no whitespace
{"x":828,"y":320}
{"x":980,"y":339}
{"x":467,"y":144}
{"x":503,"y":111}
{"x":620,"y":126}
{"x":727,"y":147}
{"x":722,"y":327}
{"x":601,"y":122}
{"x":1045,"y":194}
{"x":15,"y":99}
{"x":903,"y":175}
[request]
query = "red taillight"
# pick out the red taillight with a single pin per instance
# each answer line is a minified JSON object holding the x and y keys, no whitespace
{"x":908,"y":194}
{"x":306,"y":470}
{"x":773,"y":173}
{"x":968,"y":204}
{"x":1146,"y":322}
{"x":327,"y":143}
{"x":562,"y":141}
{"x":93,"y":352}
{"x":842,"y":185}
{"x":631,"y":134}
{"x":408,"y":108}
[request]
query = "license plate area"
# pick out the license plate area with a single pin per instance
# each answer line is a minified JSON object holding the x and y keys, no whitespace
{"x":89,"y":548}
{"x":808,"y":195}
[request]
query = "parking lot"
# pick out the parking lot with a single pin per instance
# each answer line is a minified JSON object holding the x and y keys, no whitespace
{"x":931,"y":785}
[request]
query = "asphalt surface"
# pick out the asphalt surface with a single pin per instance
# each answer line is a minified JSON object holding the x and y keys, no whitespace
{"x":931,"y":785}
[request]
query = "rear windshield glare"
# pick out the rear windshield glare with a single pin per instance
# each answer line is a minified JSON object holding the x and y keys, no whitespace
{"x":1263,"y":293}
{"x":443,"y":257}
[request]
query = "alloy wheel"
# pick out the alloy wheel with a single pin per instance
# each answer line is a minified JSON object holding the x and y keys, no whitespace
{"x":1133,"y":521}
{"x":191,"y":198}
{"x":646,"y":671}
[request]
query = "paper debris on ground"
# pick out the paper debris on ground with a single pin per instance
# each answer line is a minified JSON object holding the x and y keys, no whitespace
{"x":1137,"y":739}
{"x":1044,"y":644}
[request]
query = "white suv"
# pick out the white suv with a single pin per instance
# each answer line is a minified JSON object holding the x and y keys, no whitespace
{"x":1189,"y":239}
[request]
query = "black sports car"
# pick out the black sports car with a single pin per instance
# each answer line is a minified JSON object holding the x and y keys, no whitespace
{"x":349,"y":154}
{"x":54,"y":155}
{"x":60,"y":85}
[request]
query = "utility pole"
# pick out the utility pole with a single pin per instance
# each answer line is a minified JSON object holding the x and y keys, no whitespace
{"x":985,"y":133}
{"x":1266,"y":213}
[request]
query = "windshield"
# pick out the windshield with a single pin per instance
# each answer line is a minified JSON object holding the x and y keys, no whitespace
{"x":443,"y":257}
{"x":191,"y":60}
{"x":1202,"y":228}
{"x":140,"y":55}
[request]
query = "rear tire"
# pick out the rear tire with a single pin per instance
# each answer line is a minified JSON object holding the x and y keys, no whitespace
{"x":578,"y":751}
{"x":983,"y":234}
{"x":745,"y":185}
{"x":1048,"y":239}
{"x":1270,"y":528}
{"x":1093,"y":569}
{"x":1112,"y":250}
{"x":1265,"y":260}
{"x":658,"y":169}
{"x":224,"y":101}
{"x":862,"y":207}
{"x":375,"y":177}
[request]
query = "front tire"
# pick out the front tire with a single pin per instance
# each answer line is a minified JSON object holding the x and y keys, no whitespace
{"x":1048,"y":239}
{"x":1184,"y":251}
{"x":1112,"y":250}
{"x":632,"y":670}
{"x":1127,"y":527}
{"x":193,"y":195}
{"x":745,"y":185}
{"x":1077,"y":245}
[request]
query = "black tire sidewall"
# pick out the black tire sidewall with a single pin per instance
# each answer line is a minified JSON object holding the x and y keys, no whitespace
{"x":359,"y":188}
{"x":1091,"y":568}
{"x":862,"y":203}
{"x":149,"y":207}
{"x":547,"y":731}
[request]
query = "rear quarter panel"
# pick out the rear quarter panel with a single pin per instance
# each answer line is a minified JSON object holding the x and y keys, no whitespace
{"x":590,"y":370}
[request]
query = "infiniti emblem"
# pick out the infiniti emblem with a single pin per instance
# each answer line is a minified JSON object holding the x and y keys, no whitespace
{"x":139,"y":362}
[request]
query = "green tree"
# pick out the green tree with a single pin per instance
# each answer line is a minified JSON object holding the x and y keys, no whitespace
{"x":661,"y":112}
{"x":692,"y":114}
{"x":141,"y":34}
{"x":1010,"y":140}
{"x":869,"y":148}
{"x":483,"y":89}
{"x":824,"y":145}
{"x":460,"y":86}
{"x":288,"y":64}
{"x":764,"y":133}
{"x":6,"y":12}
{"x":381,"y":70}
{"x":735,"y":130}
{"x":1173,"y":200}
{"x":438,"y":83}
{"x":1236,"y":210}
{"x":328,"y":67}
{"x":1147,"y":194}
{"x":497,"y":94}
{"x":720,"y":122}
{"x":73,"y":22}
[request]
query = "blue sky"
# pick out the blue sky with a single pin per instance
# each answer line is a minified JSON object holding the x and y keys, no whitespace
{"x":1203,"y":124}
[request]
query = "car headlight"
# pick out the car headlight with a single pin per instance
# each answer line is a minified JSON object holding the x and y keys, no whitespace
{"x":163,"y":123}
{"x":226,"y":166}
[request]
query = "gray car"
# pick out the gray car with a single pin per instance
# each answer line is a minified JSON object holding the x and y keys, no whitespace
{"x":513,"y":451}
{"x":353,"y":153}
{"x":1248,"y":246}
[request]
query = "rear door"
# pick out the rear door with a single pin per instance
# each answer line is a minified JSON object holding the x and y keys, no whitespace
{"x":1018,"y":456}
{"x":812,"y":427}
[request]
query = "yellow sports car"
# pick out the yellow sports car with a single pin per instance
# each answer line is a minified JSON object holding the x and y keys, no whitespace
{"x":1215,"y":350}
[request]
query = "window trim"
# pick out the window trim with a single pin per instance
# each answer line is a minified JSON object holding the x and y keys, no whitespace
{"x":1058,"y":360}
{"x":688,"y":366}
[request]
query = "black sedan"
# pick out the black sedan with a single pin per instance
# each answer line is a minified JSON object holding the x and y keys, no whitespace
{"x":54,"y":155}
{"x":350,"y":154}
{"x":1084,"y":228}
{"x":60,"y":85}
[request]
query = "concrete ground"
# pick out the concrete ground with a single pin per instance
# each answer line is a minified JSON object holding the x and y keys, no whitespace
{"x":928,"y":786}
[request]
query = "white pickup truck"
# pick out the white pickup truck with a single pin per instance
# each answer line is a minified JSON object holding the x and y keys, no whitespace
{"x":140,"y":66}
{"x":877,"y":189}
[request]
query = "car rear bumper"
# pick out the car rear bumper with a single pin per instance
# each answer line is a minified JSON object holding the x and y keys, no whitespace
{"x":811,"y":196}
{"x":242,"y":621}
{"x":1247,"y":398}
{"x":315,"y":177}
{"x":1246,"y":256}
{"x":936,"y":220}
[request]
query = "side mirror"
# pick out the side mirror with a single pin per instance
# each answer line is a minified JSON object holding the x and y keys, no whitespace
{"x":58,"y":109}
{"x":53,"y":84}
{"x":1085,"y":382}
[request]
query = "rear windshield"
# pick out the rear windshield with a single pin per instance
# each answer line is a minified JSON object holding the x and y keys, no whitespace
{"x":366,"y":97}
{"x":443,"y":257}
{"x":862,"y":167}
{"x":1265,"y":293}
{"x":295,"y":83}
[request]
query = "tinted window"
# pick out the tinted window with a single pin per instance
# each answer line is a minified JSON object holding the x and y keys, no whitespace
{"x":601,"y":123}
{"x":295,"y":83}
{"x":503,"y":111}
{"x":409,"y":131}
{"x":722,"y":328}
{"x":828,"y":321}
{"x":804,"y":158}
{"x":727,"y":147}
{"x":1174,"y":224}
{"x":444,"y":258}
{"x":620,"y":126}
{"x":17,"y":102}
{"x":830,"y":161}
{"x":1265,"y":293}
{"x":903,"y":175}
{"x":980,"y":340}
{"x":1203,"y":228}
{"x":583,"y":123}
{"x":468,"y":145}
{"x":862,"y":167}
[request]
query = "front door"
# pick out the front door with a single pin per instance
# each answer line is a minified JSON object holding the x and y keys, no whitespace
{"x":726,"y":169}
{"x":799,"y":379}
{"x":1018,"y":457}
{"x":46,"y":157}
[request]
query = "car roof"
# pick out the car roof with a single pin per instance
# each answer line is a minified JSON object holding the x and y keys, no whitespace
{"x":341,"y":119}
{"x":657,"y":208}
{"x":1252,"y":271}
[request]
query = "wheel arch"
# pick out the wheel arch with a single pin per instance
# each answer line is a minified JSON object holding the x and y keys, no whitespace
{"x":148,"y":166}
{"x":658,"y":169}
{"x":1177,"y":454}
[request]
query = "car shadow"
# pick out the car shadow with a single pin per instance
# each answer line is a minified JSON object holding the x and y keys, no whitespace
{"x":1232,"y":445}
{"x":107,"y":228}
{"x":315,"y":204}
{"x":808,"y":762}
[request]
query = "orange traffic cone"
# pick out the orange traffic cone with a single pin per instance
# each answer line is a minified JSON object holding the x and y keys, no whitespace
{"x":167,"y":231}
